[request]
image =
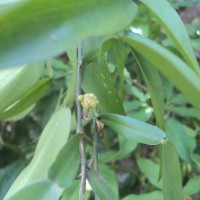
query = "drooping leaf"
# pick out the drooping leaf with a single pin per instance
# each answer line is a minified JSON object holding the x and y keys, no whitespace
{"x":170,"y":65}
{"x":151,"y":170}
{"x":156,"y":195}
{"x":175,"y":28}
{"x":154,"y":84}
{"x":133,"y":129}
{"x":29,"y":98}
{"x":192,"y":186}
{"x":100,"y":187}
{"x":37,"y":190}
{"x":23,"y":34}
{"x":96,"y":80}
{"x":66,"y":165}
{"x":185,"y":144}
{"x":53,"y":138}
{"x":14,"y":84}
{"x":171,"y":173}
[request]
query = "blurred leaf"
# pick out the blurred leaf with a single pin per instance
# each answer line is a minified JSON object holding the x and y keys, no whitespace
{"x":133,"y":129}
{"x":154,"y":84}
{"x":96,"y":80}
{"x":37,"y":190}
{"x":156,"y":195}
{"x":170,"y":65}
{"x":54,"y":136}
{"x":151,"y":171}
{"x":23,"y":33}
{"x":171,"y":173}
{"x":186,"y":112}
{"x":185,"y":144}
{"x":196,"y":159}
{"x":192,"y":186}
{"x":100,"y":187}
{"x":66,"y":165}
{"x":29,"y":98}
{"x":179,"y":99}
{"x":175,"y":29}
{"x":8,"y":174}
{"x":14,"y":84}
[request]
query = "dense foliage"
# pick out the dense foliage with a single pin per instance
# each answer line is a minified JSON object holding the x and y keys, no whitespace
{"x":140,"y":99}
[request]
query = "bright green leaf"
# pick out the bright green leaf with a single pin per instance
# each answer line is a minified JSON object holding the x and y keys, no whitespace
{"x":96,"y":79}
{"x":175,"y":28}
{"x":170,"y":65}
{"x":133,"y":129}
{"x":171,"y":173}
{"x":66,"y":165}
{"x":100,"y":187}
{"x":192,"y":186}
{"x":38,"y":29}
{"x":39,"y":190}
{"x":53,"y":138}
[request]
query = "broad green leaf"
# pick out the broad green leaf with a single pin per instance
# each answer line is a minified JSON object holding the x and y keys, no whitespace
{"x":151,"y":171}
{"x":171,"y":173}
{"x":14,"y":84}
{"x":186,"y":112}
{"x":154,"y":84}
{"x":66,"y":165}
{"x":156,"y":195}
{"x":175,"y":28}
{"x":170,"y":65}
{"x":53,"y":138}
{"x":192,"y":186}
{"x":23,"y":34}
{"x":8,"y":174}
{"x":100,"y":187}
{"x":133,"y":129}
{"x":96,"y":80}
{"x":185,"y":144}
{"x":37,"y":190}
{"x":29,"y":98}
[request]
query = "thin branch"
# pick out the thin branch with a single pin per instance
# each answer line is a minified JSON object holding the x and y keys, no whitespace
{"x":79,"y":129}
{"x":95,"y":145}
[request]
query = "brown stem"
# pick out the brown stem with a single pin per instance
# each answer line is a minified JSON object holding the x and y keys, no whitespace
{"x":79,"y":129}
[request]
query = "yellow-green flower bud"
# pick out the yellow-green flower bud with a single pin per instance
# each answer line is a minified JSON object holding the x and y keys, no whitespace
{"x":80,"y":98}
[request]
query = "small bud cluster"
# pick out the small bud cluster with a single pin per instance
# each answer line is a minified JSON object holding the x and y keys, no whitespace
{"x":88,"y":101}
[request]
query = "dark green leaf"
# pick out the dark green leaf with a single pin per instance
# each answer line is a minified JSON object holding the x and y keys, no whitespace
{"x":171,"y":173}
{"x":96,"y":80}
{"x":38,"y":190}
{"x":133,"y":129}
{"x":29,"y":98}
{"x":66,"y":165}
{"x":170,"y":65}
{"x":44,"y":29}
{"x":175,"y":28}
{"x":100,"y":187}
{"x":53,"y":138}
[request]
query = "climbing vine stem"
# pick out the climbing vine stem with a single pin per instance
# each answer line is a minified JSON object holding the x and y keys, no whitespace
{"x":79,"y":129}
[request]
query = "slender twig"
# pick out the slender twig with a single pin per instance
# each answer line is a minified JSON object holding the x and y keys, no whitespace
{"x":79,"y":129}
{"x":95,"y":145}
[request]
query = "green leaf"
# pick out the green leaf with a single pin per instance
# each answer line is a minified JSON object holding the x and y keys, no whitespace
{"x":151,"y":171}
{"x":175,"y":29}
{"x":37,"y":190}
{"x":23,"y":34}
{"x":133,"y":129}
{"x":33,"y":95}
{"x":66,"y":165}
{"x":96,"y":79}
{"x":14,"y":84}
{"x":53,"y":138}
{"x":100,"y":187}
{"x":192,"y":186}
{"x":185,"y":144}
{"x":170,"y":65}
{"x":171,"y":173}
{"x":156,"y":195}
{"x":154,"y":84}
